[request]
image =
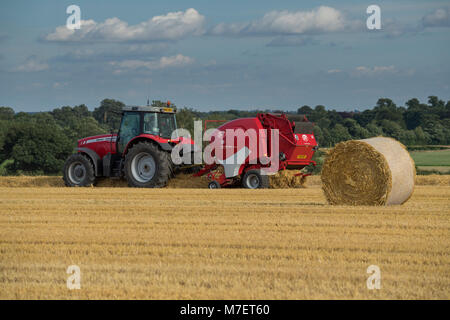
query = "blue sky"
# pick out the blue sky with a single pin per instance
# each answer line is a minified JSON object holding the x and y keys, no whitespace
{"x":212,"y":55}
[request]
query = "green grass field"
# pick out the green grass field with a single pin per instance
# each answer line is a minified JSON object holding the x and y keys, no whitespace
{"x":438,"y":158}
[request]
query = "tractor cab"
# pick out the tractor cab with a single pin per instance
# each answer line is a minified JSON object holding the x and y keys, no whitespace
{"x":146,"y":121}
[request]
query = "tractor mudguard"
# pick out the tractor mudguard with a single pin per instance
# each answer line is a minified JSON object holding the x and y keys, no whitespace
{"x":161,"y":142}
{"x":98,"y":168}
{"x":165,"y":146}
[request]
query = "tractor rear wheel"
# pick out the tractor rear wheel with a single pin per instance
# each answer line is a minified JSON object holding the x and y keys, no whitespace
{"x":78,"y":171}
{"x":146,"y":166}
{"x":171,"y":165}
{"x":253,"y":179}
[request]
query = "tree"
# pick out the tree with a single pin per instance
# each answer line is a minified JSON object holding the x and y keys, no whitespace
{"x":109,"y":113}
{"x":22,"y":116}
{"x":364,"y":118}
{"x":4,"y":125}
{"x":77,"y":129}
{"x":391,"y":128}
{"x":414,"y":117}
{"x":435,"y":102}
{"x":334,"y":118}
{"x":307,"y":110}
{"x":421,"y":136}
{"x":324,"y":123}
{"x":374,"y":130}
{"x":185,"y":119}
{"x":355,"y":130}
{"x":413,"y":103}
{"x":339,"y":133}
{"x":320,"y":109}
{"x":438,"y":133}
{"x":318,"y":113}
{"x":407,"y":137}
{"x":318,"y":133}
{"x":6,"y":113}
{"x":67,"y":113}
{"x":386,"y":109}
{"x":327,"y":140}
{"x":415,"y":113}
{"x":82,"y":111}
{"x":77,"y":122}
{"x":36,"y":148}
{"x":386,"y":103}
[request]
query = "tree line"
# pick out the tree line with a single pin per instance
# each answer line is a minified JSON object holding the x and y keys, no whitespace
{"x":39,"y":143}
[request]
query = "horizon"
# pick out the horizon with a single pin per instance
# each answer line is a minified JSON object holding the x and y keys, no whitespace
{"x":250,"y":109}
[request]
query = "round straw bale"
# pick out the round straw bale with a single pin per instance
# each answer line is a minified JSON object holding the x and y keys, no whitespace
{"x":375,"y":171}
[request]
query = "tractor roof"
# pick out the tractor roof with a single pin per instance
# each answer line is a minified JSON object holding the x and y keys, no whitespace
{"x":150,"y":109}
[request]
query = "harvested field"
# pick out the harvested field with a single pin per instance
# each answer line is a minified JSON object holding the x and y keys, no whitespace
{"x":219,"y":244}
{"x":187,"y":181}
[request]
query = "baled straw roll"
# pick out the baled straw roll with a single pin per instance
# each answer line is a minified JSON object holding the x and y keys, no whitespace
{"x":375,"y":171}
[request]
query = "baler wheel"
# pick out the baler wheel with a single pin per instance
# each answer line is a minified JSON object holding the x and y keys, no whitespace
{"x":146,"y":166}
{"x":214,"y":185}
{"x":253,"y":179}
{"x":78,"y":171}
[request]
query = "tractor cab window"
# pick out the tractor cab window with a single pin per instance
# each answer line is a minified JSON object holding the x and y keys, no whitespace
{"x":151,"y":123}
{"x":166,"y":124}
{"x":129,"y":128}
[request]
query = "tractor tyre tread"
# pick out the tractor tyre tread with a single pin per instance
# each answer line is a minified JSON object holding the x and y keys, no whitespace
{"x":90,"y":173}
{"x":170,"y":164}
{"x":162,"y":171}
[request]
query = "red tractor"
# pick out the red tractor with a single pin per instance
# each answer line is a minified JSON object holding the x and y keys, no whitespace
{"x":140,"y":151}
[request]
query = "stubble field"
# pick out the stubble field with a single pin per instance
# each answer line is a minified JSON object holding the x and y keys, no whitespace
{"x":219,"y":244}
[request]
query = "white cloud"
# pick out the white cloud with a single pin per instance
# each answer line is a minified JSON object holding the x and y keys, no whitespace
{"x":331,"y":71}
{"x":31,"y":65}
{"x":376,"y":70}
{"x":393,"y":28}
{"x":172,"y":26}
{"x":114,"y":52}
{"x":37,"y":85}
{"x":438,"y":18}
{"x":373,"y":71}
{"x":57,"y":85}
{"x":164,"y":62}
{"x":291,"y":41}
{"x":322,"y":19}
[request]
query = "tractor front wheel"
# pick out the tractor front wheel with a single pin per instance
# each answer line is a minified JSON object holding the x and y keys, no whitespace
{"x":146,"y":166}
{"x":78,"y":171}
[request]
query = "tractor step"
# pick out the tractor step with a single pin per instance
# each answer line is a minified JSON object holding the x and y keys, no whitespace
{"x":116,"y":168}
